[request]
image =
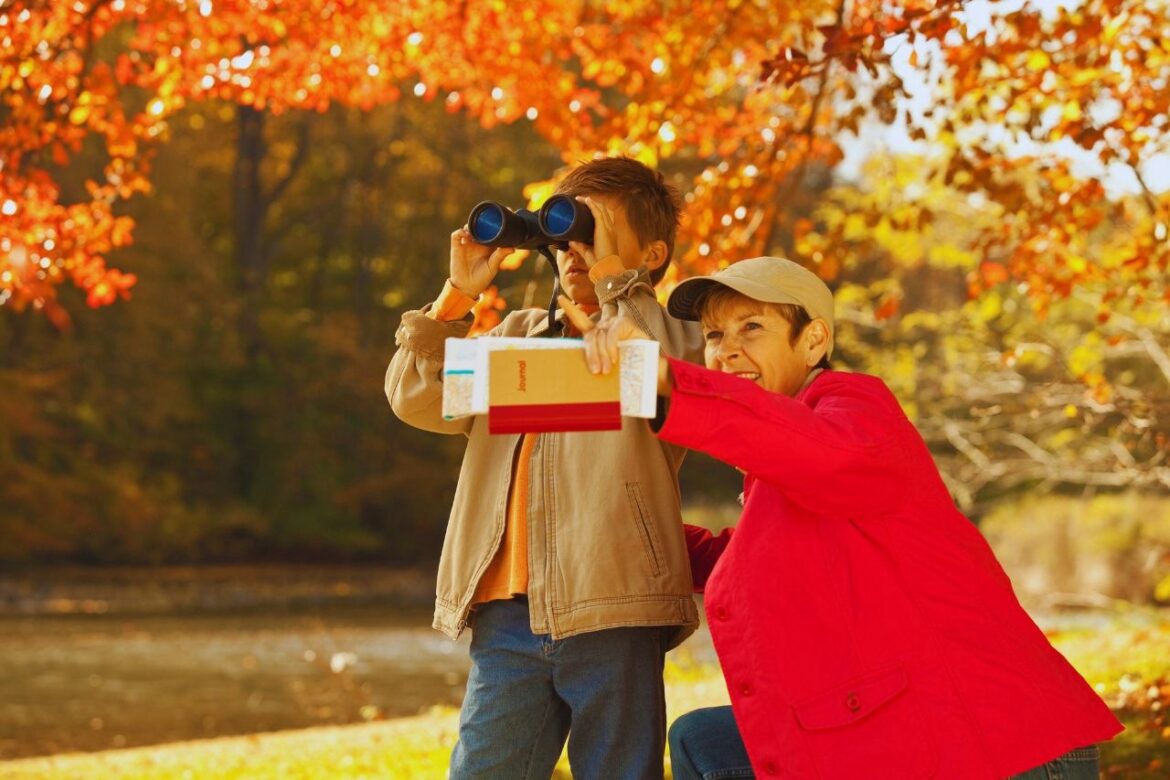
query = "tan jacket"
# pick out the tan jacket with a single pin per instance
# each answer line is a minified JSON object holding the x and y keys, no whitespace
{"x":605,"y":537}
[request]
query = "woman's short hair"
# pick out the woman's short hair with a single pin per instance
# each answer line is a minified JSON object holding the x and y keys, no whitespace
{"x":718,"y":297}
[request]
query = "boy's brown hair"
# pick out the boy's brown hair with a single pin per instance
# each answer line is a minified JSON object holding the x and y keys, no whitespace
{"x":652,"y":205}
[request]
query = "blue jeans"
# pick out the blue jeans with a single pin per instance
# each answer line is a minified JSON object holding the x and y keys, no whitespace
{"x":526,"y":691}
{"x":705,"y":745}
{"x":1080,"y":764}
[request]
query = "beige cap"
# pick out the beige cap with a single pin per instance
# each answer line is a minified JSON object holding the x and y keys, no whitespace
{"x":768,"y":279}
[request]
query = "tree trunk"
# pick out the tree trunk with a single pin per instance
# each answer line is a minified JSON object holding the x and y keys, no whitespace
{"x":250,"y":211}
{"x":250,"y":208}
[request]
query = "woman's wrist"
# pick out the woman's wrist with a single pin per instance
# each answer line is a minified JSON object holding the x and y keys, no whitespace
{"x":665,"y":380}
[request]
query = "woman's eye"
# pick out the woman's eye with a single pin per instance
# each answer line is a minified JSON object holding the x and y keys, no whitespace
{"x":752,"y":326}
{"x":712,"y":335}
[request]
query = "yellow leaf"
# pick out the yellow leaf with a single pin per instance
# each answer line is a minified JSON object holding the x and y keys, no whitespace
{"x":950,"y":256}
{"x":646,"y":155}
{"x":1083,"y":358}
{"x":1038,"y":60}
{"x":538,"y":191}
{"x":990,"y":306}
{"x":1162,"y":593}
{"x":1113,"y":28}
{"x":1085,"y":76}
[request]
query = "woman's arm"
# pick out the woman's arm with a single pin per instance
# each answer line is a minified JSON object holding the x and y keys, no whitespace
{"x":704,"y":549}
{"x":842,"y":455}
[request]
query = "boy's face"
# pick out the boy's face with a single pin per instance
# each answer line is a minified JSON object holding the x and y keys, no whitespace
{"x":573,"y":266}
{"x":750,"y":339}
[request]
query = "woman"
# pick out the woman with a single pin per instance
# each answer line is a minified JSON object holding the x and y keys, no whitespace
{"x":864,"y":627}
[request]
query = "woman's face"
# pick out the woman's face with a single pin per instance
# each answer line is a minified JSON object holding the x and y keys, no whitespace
{"x":751,"y":339}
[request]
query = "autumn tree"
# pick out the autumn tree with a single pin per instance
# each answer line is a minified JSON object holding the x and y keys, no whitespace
{"x":752,"y":93}
{"x":121,"y":442}
{"x":1008,"y":402}
{"x":1022,"y":114}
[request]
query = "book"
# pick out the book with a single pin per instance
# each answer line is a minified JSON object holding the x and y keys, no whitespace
{"x":537,"y":390}
{"x":542,"y":385}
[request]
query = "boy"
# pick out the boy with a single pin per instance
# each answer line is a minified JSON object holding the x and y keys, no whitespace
{"x":564,"y":552}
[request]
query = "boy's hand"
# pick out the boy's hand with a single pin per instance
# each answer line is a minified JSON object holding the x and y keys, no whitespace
{"x":473,"y":265}
{"x":601,"y":338}
{"x":604,"y":233}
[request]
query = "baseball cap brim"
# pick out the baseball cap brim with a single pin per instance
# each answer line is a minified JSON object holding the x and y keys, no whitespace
{"x":684,"y":299}
{"x":764,"y":279}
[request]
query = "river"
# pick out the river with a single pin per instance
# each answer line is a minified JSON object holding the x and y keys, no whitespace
{"x":92,"y":682}
{"x":94,"y":661}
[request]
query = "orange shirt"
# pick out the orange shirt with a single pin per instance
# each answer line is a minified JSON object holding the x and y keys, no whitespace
{"x":507,"y":575}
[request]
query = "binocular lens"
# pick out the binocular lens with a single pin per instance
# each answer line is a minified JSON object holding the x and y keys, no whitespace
{"x":565,"y":219}
{"x":559,"y":216}
{"x":486,"y":222}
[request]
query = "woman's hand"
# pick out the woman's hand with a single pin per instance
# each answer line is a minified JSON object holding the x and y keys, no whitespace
{"x":601,"y":338}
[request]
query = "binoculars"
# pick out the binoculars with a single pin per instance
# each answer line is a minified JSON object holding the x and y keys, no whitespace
{"x":560,"y":220}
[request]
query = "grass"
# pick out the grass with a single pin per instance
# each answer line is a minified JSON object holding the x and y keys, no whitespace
{"x":1130,"y":668}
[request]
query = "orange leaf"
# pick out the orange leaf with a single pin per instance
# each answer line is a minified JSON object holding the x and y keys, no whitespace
{"x":888,"y":308}
{"x":994,"y":273}
{"x":514,"y":260}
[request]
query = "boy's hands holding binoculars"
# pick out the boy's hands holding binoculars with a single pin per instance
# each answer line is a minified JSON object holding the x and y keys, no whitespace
{"x":473,"y":265}
{"x":476,"y":251}
{"x":604,"y":233}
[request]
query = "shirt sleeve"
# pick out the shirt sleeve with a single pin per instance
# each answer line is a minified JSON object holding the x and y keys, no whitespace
{"x":414,"y":379}
{"x":704,"y":549}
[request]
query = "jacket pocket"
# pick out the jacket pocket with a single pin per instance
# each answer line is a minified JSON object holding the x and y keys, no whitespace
{"x":651,"y":544}
{"x":868,"y":727}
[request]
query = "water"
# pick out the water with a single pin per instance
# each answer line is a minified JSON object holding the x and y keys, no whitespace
{"x":82,"y":682}
{"x":93,"y":682}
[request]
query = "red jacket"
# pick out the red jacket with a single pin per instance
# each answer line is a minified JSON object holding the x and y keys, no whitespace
{"x":864,"y":627}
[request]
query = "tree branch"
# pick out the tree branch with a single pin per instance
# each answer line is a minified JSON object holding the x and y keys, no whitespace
{"x":293,"y":166}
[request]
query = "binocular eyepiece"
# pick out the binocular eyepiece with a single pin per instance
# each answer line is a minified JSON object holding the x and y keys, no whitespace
{"x":560,"y":220}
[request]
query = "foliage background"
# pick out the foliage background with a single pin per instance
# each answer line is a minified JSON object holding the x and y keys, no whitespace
{"x":274,"y":183}
{"x":214,"y":212}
